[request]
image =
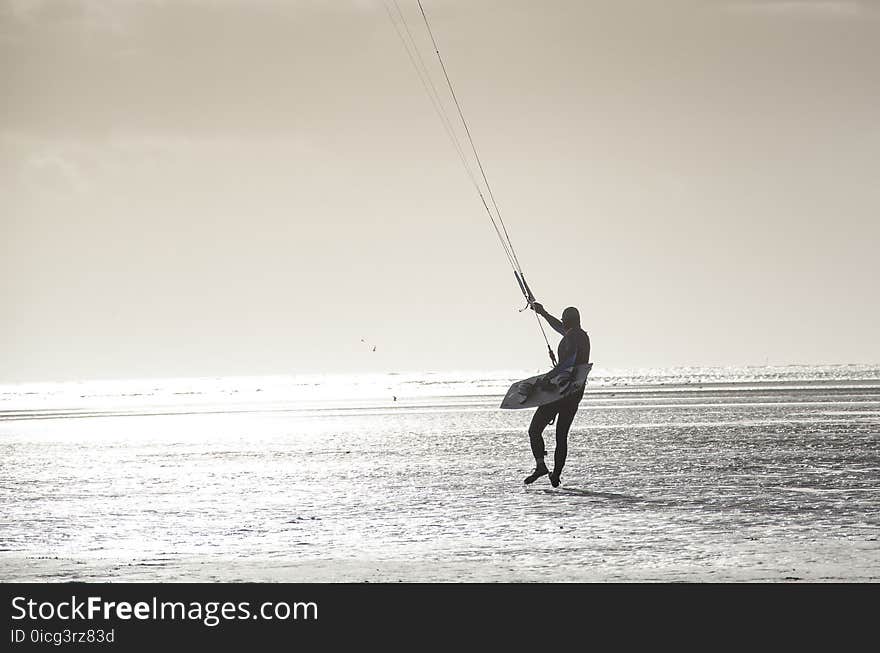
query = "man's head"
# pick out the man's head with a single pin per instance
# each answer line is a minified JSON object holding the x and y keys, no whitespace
{"x":571,"y":319}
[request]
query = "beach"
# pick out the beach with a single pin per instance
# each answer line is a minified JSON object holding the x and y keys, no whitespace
{"x":687,"y":475}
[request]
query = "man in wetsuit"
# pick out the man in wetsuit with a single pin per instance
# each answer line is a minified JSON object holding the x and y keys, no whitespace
{"x":574,"y":349}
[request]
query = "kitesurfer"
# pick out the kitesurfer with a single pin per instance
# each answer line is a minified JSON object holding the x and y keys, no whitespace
{"x":574,"y":349}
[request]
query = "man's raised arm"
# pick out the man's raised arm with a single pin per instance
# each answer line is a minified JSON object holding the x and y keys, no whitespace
{"x":552,"y":321}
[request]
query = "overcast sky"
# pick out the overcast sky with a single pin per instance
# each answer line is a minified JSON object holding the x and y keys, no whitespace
{"x":195,"y":188}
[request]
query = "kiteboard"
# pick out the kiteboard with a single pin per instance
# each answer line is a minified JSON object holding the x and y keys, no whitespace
{"x":539,"y":390}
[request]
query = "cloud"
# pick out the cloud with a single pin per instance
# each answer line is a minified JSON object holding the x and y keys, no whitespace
{"x":86,"y":15}
{"x":829,"y":8}
{"x":58,"y":166}
{"x":30,"y":9}
{"x":53,"y":172}
{"x":21,"y":19}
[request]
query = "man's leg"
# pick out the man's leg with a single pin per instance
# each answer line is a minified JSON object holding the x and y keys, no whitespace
{"x":543,"y":416}
{"x":563,"y":423}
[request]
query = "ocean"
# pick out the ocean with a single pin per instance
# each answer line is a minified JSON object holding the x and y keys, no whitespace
{"x":684,"y":475}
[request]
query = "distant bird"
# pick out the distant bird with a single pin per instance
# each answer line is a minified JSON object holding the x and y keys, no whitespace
{"x":374,"y":347}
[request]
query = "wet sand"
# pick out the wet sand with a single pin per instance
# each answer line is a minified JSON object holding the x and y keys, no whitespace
{"x":721,"y":482}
